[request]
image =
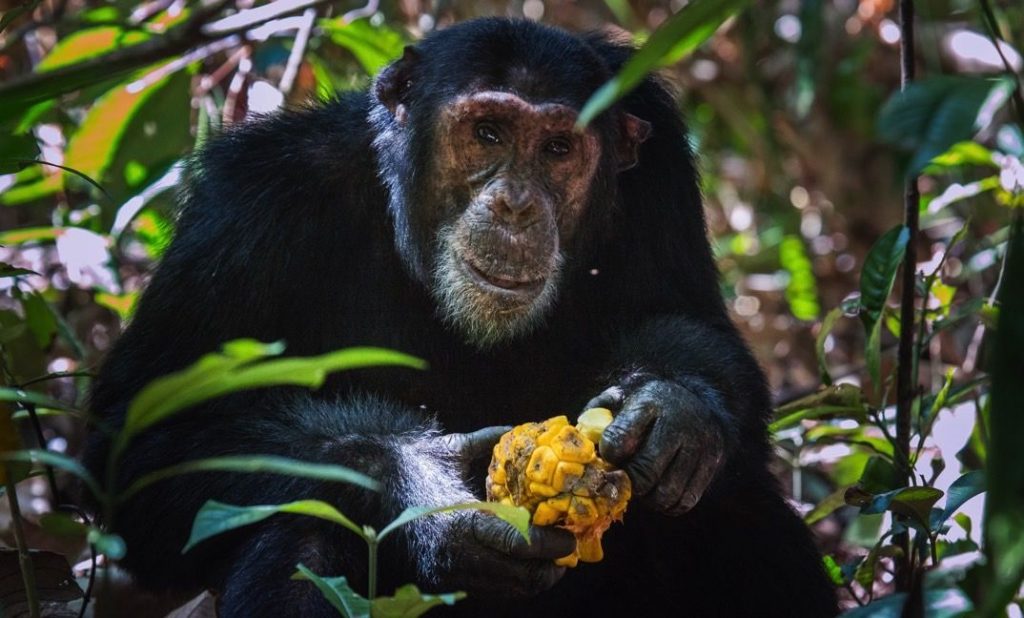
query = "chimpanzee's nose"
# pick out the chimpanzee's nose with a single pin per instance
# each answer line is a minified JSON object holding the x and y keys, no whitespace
{"x":515,"y":208}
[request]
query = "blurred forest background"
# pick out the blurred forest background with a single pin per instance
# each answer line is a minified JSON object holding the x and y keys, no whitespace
{"x":805,"y":146}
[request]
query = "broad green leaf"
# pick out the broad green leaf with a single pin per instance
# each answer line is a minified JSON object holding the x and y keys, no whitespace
{"x":63,"y":525}
{"x":963,"y":489}
{"x":859,"y":435}
{"x":90,"y":43}
{"x":42,"y":322}
{"x":830,"y":504}
{"x":22,"y":396}
{"x":819,"y":343}
{"x":959,"y":155}
{"x":943,"y":603}
{"x":913,"y":502}
{"x":935,"y":113}
{"x":235,"y":369}
{"x":1004,"y":504}
{"x":121,"y":304}
{"x":15,"y":150}
{"x":409,"y":602}
{"x":111,"y":545}
{"x":337,"y":592}
{"x":838,"y":400}
{"x":678,"y":36}
{"x":516,"y":516}
{"x":6,"y":270}
{"x":29,"y":234}
{"x":879,"y":272}
{"x":879,"y":476}
{"x":57,"y":460}
{"x":93,"y":148}
{"x":873,"y":355}
{"x":373,"y":46}
{"x":801,"y":289}
{"x":266,"y":464}
{"x":215,"y":518}
{"x":835,"y":572}
{"x":26,"y":6}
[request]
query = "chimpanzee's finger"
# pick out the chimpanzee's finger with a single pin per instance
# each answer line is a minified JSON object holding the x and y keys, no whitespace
{"x":610,"y":398}
{"x":623,"y":437}
{"x":475,"y":444}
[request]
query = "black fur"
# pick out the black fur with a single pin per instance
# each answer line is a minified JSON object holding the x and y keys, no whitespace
{"x":285,"y":234}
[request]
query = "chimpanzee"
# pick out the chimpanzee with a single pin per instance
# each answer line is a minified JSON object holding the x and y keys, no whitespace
{"x":454,"y":213}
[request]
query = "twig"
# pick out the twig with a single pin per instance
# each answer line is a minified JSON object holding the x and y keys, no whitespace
{"x":28,"y":574}
{"x":906,"y":383}
{"x":197,"y":30}
{"x":993,"y":28}
{"x":291,"y":70}
{"x":363,"y":11}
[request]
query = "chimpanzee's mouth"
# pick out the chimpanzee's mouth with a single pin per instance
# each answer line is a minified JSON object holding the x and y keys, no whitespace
{"x":528,"y":287}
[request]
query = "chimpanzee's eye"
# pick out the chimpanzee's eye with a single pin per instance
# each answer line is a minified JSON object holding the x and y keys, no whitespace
{"x":487,"y":133}
{"x":558,"y":146}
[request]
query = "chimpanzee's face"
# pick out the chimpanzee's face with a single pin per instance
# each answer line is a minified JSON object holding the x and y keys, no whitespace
{"x":512,"y":178}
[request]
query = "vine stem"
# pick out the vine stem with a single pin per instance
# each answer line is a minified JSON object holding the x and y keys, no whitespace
{"x":28,"y":574}
{"x":371,"y":544}
{"x":906,"y":382}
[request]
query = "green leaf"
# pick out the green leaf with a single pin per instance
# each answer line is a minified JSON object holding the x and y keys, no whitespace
{"x":102,"y":136}
{"x":819,"y":343}
{"x":913,"y":502}
{"x":373,"y":46}
{"x":873,"y":355}
{"x":22,"y":396}
{"x":337,"y":592}
{"x":40,"y":319}
{"x":1004,"y":504}
{"x":57,"y":460}
{"x":879,"y":272}
{"x":677,"y":37}
{"x":835,"y":572}
{"x":962,"y":490}
{"x":266,"y":464}
{"x":111,"y":545}
{"x":935,"y":113}
{"x":29,"y":234}
{"x":89,"y":43}
{"x":838,"y":400}
{"x":879,"y":476}
{"x":63,"y":525}
{"x":409,"y":602}
{"x":27,"y":6}
{"x":827,"y":506}
{"x":215,"y":518}
{"x":235,"y":369}
{"x":961,"y":154}
{"x":15,"y":150}
{"x":516,"y":516}
{"x":944,"y":603}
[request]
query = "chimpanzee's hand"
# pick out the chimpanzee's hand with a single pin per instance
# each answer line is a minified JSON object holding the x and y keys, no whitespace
{"x":485,"y":556}
{"x":669,"y":441}
{"x":488,"y":557}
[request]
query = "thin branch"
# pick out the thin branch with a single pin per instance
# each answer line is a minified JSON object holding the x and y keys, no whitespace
{"x":197,"y":30}
{"x":993,"y":32}
{"x":291,"y":70}
{"x":363,"y":11}
{"x":906,"y":382}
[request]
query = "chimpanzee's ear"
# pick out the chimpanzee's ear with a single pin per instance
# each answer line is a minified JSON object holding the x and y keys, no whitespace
{"x":633,"y":132}
{"x":393,"y":82}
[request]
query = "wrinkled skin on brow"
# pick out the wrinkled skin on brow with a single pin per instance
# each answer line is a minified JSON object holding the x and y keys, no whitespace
{"x":521,"y":199}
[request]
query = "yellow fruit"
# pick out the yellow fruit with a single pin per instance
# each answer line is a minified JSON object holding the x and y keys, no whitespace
{"x":553,"y":469}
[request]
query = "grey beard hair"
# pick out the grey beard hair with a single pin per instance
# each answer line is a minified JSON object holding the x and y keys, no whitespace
{"x":483,"y":319}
